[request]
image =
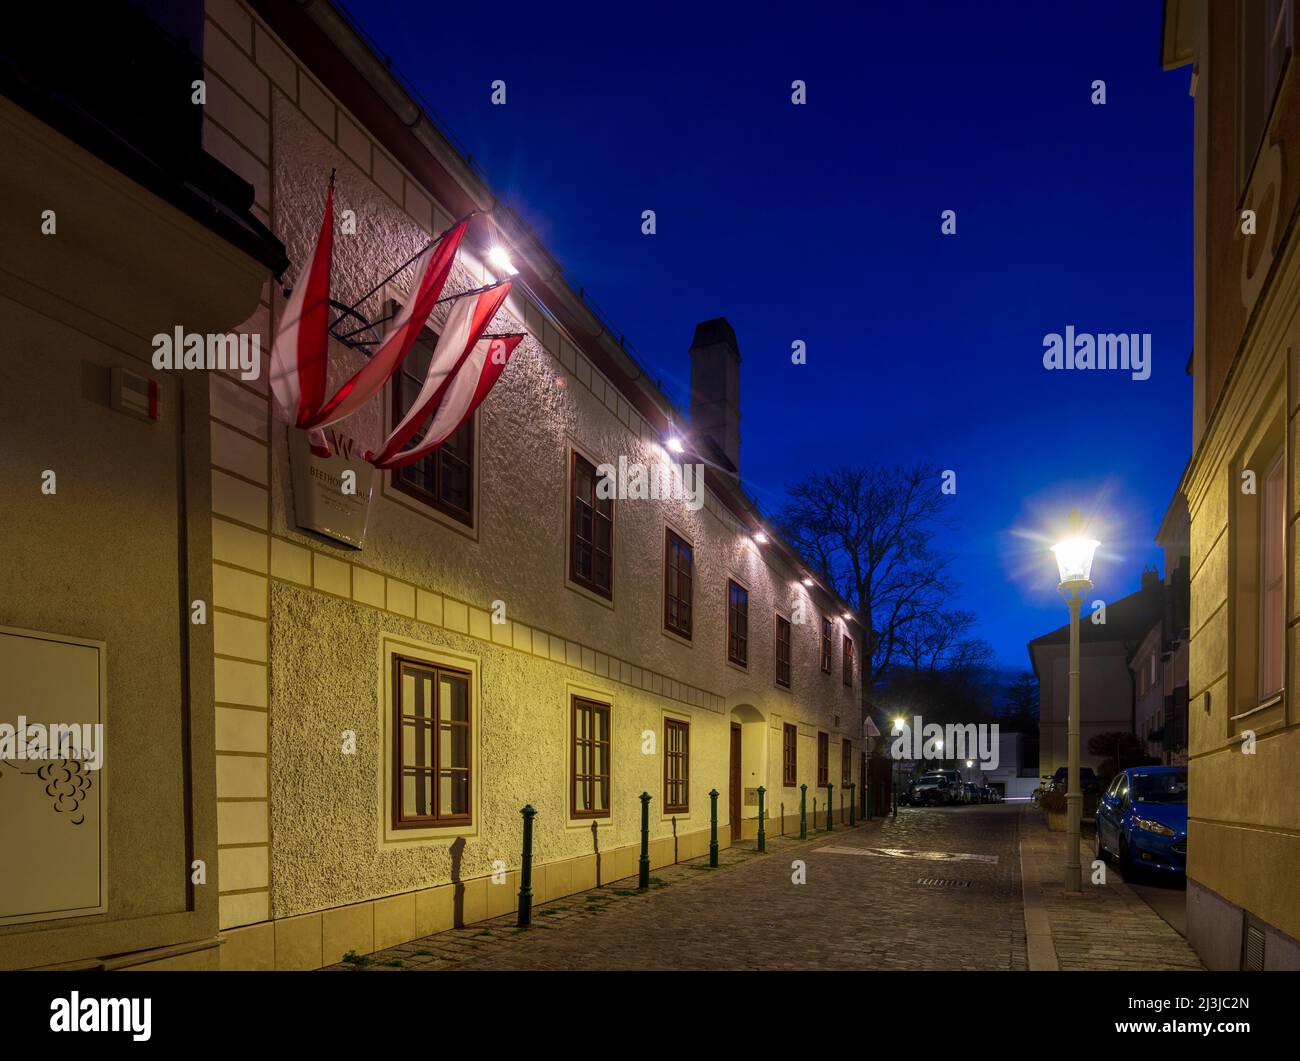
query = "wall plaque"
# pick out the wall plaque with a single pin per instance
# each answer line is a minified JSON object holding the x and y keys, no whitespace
{"x":331,"y":495}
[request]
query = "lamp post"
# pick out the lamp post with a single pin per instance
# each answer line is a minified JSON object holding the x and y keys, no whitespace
{"x":893,"y":768}
{"x":1074,"y":562}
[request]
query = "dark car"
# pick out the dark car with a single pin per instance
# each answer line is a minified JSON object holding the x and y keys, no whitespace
{"x":1142,"y":819}
{"x":929,"y":789}
{"x":1087,"y":780}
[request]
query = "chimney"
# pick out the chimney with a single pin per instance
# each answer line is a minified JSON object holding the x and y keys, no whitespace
{"x":715,"y":392}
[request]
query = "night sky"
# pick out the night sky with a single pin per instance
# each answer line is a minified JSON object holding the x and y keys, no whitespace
{"x":822,"y":223}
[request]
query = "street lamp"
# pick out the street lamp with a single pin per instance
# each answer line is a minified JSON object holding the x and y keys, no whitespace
{"x":893,"y":770}
{"x":1074,"y":562}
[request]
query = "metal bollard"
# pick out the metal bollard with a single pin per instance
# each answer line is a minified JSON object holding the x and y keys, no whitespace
{"x":830,"y":802}
{"x":803,"y":812}
{"x":526,"y":870}
{"x":762,"y":836}
{"x":713,"y":828}
{"x":643,"y":882}
{"x":853,"y":804}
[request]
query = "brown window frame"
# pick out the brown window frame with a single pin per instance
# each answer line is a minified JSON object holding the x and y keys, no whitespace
{"x":447,"y":451}
{"x":848,"y":660}
{"x":575,"y":575}
{"x":673,"y":592}
{"x":828,"y":632}
{"x":846,"y":763}
{"x":683,"y":757}
{"x":783,"y":652}
{"x":789,"y":755}
{"x":594,"y":707}
{"x":737,"y":615}
{"x":823,"y":759}
{"x":435,"y":769}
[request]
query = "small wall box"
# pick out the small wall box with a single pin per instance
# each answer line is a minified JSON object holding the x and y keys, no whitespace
{"x":134,"y":394}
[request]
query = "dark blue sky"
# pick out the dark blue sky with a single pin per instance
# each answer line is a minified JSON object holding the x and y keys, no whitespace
{"x":821,"y":223}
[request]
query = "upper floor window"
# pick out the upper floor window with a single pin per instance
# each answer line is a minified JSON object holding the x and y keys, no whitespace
{"x":737,"y":624}
{"x":432,"y":734}
{"x":1266,"y":36}
{"x":1272,"y":579}
{"x":789,"y":755}
{"x":679,"y":561}
{"x":591,"y":531}
{"x":782,"y":652}
{"x":848,"y":660}
{"x":443,"y":479}
{"x":677,"y":766}
{"x":827,"y":636}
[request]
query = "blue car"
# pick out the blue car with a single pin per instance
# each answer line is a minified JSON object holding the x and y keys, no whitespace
{"x":1142,"y":819}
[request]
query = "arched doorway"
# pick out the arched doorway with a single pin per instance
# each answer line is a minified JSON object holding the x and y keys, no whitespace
{"x":747,"y":768}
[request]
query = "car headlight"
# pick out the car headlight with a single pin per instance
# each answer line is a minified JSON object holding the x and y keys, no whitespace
{"x":1153,"y":827}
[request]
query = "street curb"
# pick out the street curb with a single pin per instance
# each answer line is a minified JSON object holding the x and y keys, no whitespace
{"x":1040,"y":948}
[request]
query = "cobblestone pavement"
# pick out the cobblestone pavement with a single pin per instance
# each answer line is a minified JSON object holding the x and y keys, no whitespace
{"x":1106,"y":926}
{"x":858,"y":910}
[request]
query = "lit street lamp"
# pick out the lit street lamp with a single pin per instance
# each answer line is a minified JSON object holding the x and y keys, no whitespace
{"x":1074,"y":561}
{"x":893,"y":769}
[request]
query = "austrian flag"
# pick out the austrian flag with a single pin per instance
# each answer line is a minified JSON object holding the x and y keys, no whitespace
{"x":462,"y":371}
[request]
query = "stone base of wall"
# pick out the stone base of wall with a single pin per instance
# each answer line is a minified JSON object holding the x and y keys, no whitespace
{"x":1215,"y":928}
{"x":314,"y":940}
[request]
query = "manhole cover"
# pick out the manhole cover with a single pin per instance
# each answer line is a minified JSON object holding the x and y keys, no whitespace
{"x":943,"y":882}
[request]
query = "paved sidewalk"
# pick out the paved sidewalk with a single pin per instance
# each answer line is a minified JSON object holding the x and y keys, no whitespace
{"x":1106,"y":926}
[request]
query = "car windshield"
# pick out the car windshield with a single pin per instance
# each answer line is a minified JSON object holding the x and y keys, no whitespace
{"x":930,"y":779}
{"x":1160,"y":788}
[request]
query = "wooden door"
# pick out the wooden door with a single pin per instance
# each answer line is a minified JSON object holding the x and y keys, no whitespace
{"x":735,"y":782}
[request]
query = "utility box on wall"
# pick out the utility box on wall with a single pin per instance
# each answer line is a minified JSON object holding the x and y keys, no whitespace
{"x":52,"y":792}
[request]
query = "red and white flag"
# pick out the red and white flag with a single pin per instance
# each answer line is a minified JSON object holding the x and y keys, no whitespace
{"x":298,"y":356}
{"x":432,"y":268}
{"x":471,"y":384}
{"x":466,"y":322}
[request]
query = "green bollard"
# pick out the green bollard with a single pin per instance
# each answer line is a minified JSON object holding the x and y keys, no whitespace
{"x":762,"y":837}
{"x":803,"y":812}
{"x":830,"y":824}
{"x":853,"y":804}
{"x":526,"y":870}
{"x":713,"y":829}
{"x":643,"y":882}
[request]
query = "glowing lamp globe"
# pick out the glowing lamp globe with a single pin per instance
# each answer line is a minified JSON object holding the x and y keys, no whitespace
{"x":1074,"y":559}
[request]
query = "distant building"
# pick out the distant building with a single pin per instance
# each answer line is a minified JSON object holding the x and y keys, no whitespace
{"x":1243,"y":860}
{"x":1159,"y":664}
{"x":1014,"y":778}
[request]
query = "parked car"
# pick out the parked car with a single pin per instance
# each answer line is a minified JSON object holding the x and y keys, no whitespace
{"x":1087,"y":780}
{"x":1142,"y":819}
{"x":995,"y":795}
{"x":930,"y":789}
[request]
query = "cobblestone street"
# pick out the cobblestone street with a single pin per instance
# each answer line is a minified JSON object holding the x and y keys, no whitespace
{"x":864,"y":906}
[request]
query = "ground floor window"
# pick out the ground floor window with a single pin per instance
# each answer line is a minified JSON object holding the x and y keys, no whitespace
{"x":591,"y":761}
{"x":431,"y":778}
{"x":677,"y":762}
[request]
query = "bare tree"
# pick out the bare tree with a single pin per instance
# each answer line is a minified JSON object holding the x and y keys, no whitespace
{"x":868,"y":531}
{"x":942,"y":640}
